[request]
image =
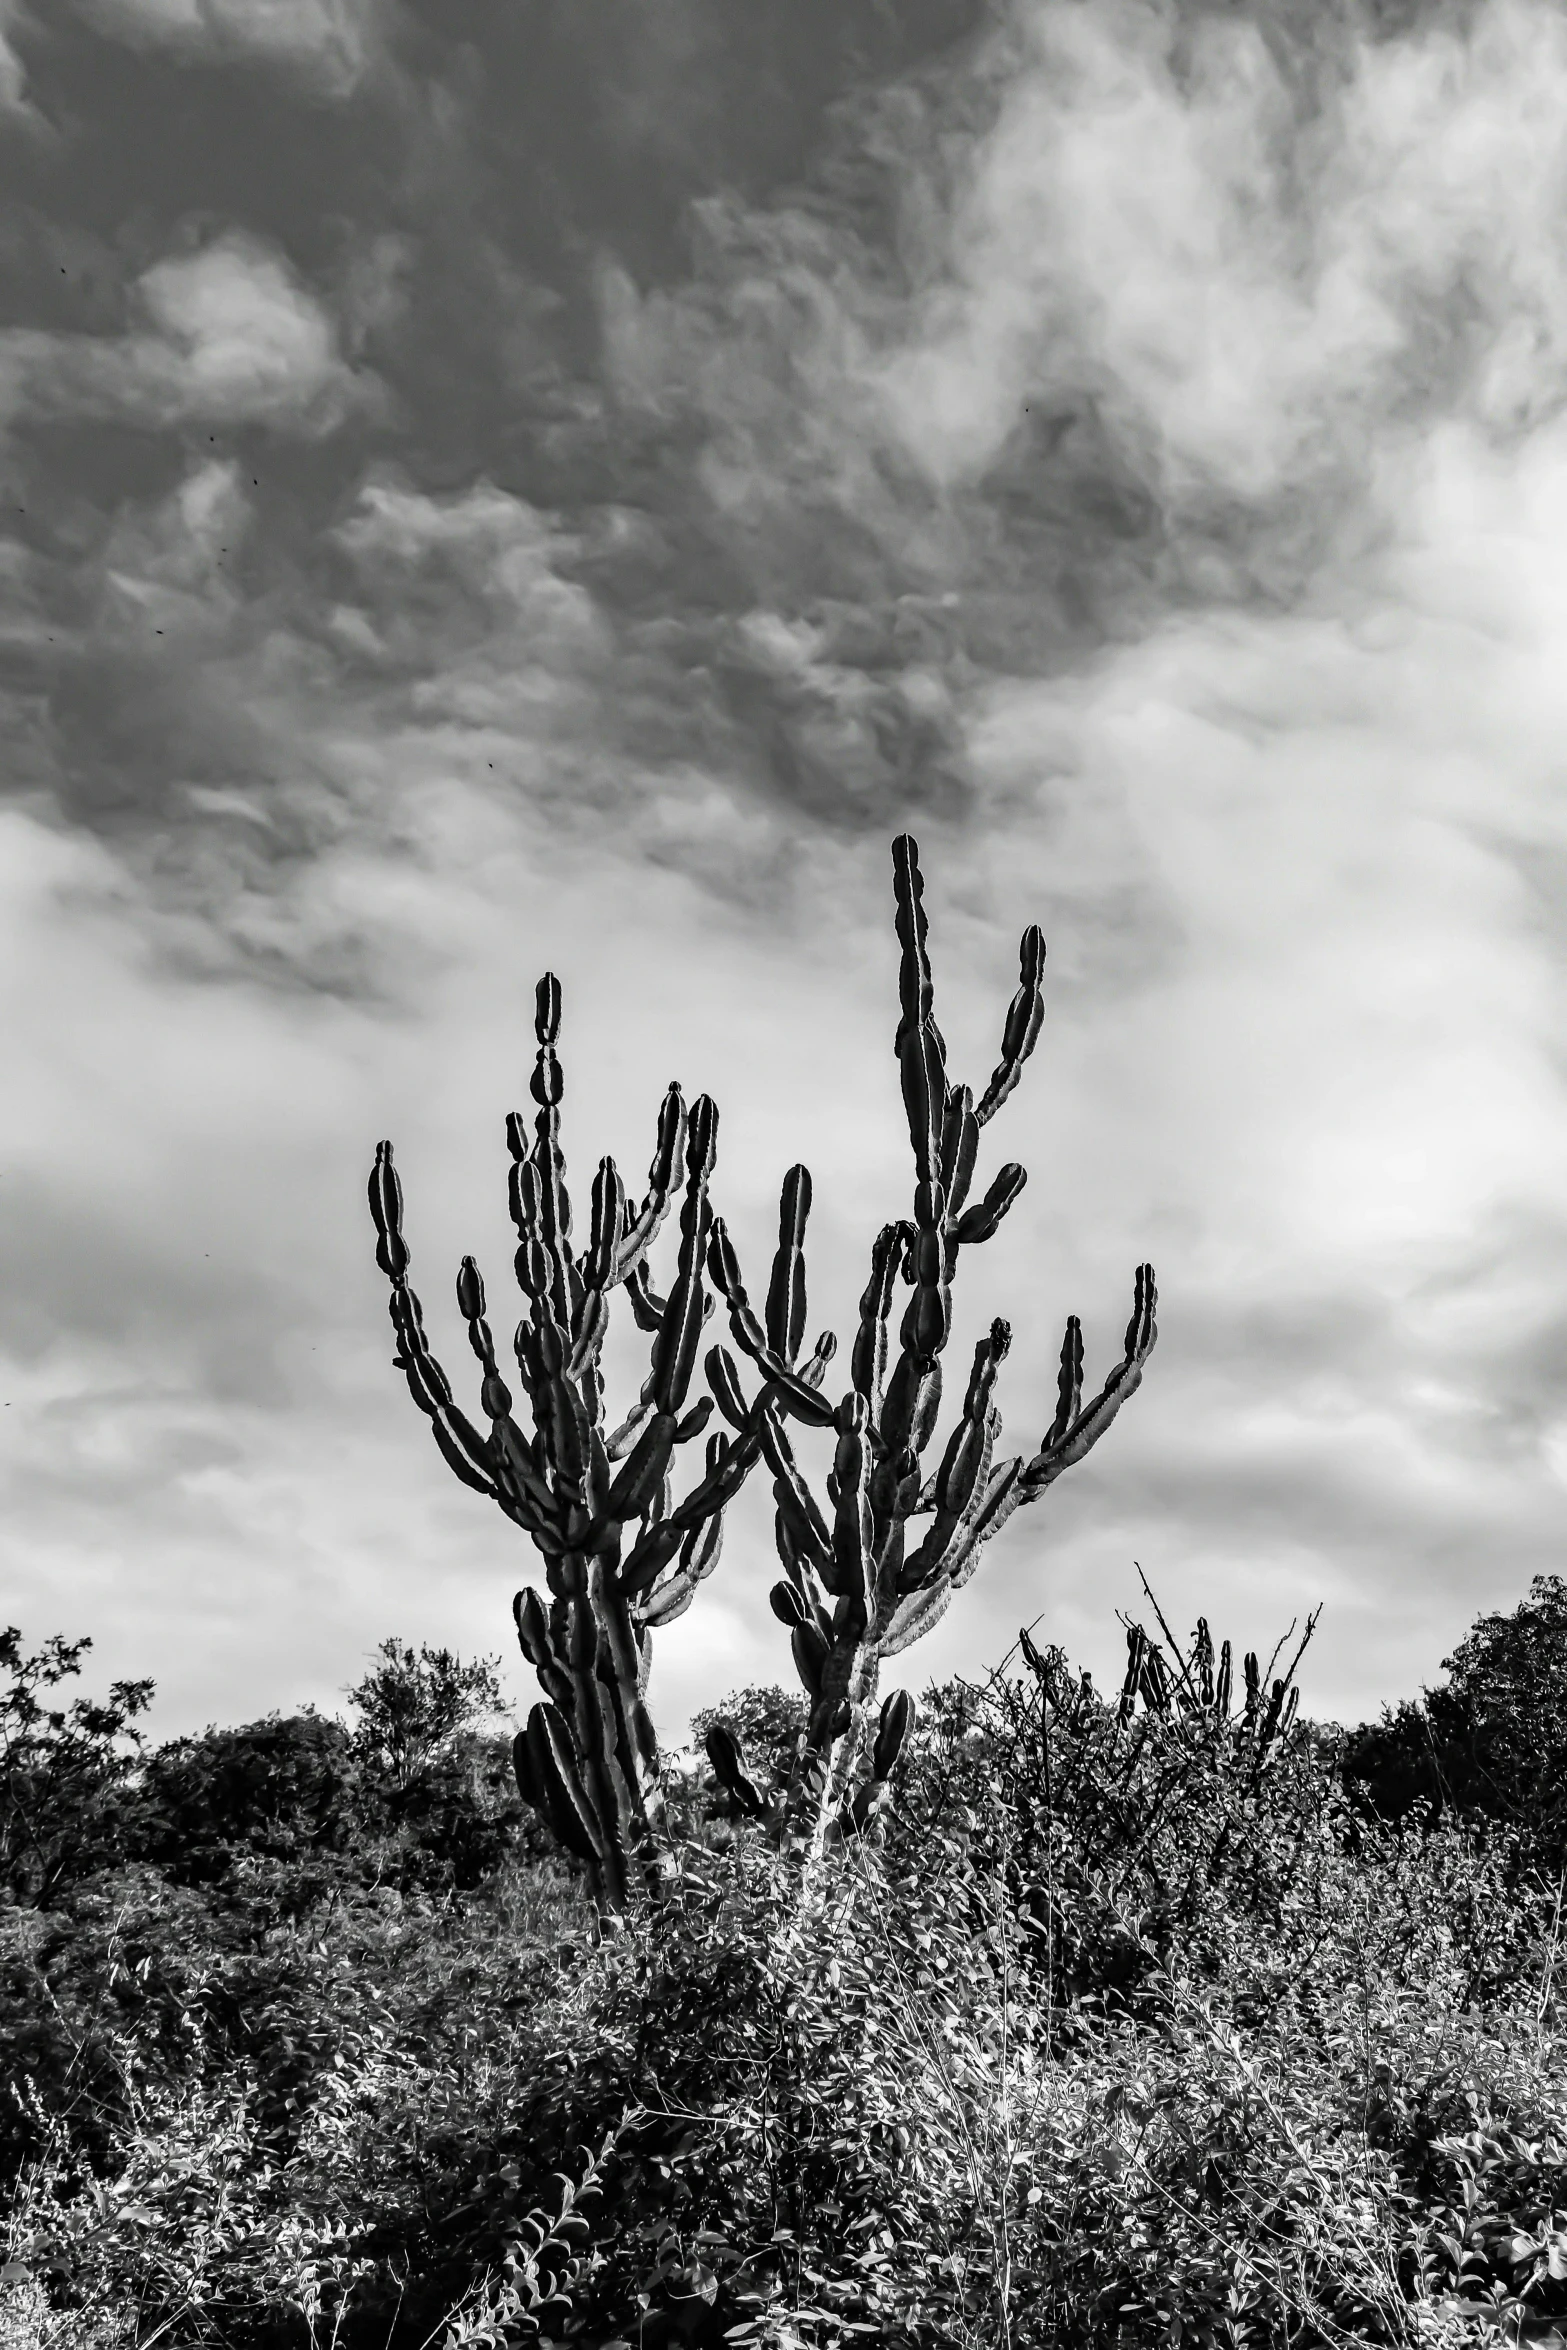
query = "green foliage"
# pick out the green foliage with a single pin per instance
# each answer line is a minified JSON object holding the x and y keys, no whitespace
{"x":768,"y":1719}
{"x":63,"y":1769}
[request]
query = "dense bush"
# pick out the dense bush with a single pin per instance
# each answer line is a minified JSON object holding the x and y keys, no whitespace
{"x":276,"y":1789}
{"x":1489,"y":1743}
{"x":1114,"y":2038}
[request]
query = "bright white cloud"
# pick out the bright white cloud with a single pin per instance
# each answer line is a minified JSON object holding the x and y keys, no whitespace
{"x":231,"y":338}
{"x":1250,"y":299}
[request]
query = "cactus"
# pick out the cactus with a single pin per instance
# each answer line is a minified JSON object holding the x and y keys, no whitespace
{"x":1199,"y":1694}
{"x":621,"y":1555}
{"x":856,"y":1588}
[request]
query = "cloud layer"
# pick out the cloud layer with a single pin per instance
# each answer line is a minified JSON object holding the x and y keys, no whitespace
{"x":562,"y":493}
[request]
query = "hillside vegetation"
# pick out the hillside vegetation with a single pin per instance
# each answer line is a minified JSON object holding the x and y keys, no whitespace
{"x":1120,"y":2028}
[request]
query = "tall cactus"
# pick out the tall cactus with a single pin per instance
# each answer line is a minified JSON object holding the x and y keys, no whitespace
{"x":621,"y":1555}
{"x":857,"y":1587}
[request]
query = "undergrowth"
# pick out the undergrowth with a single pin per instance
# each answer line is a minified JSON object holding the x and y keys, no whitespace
{"x":1112,"y":2039}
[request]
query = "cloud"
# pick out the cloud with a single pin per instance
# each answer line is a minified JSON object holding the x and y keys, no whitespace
{"x":13,"y":76}
{"x":1125,"y":446}
{"x":327,"y":43}
{"x":230,"y":338}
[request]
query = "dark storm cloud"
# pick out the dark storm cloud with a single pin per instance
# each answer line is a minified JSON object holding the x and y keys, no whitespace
{"x":640,"y":273}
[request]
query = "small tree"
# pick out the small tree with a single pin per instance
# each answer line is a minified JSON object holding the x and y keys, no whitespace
{"x":61,"y":1769}
{"x":1494,"y":1739}
{"x":412,"y":1705}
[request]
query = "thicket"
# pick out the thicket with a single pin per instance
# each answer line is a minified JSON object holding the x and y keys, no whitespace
{"x":1124,"y":2026}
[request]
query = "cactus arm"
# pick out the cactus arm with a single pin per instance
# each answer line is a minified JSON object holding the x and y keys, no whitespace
{"x":564,"y":1424}
{"x":535,"y":1637}
{"x":927,"y":1319}
{"x":959,"y":1149}
{"x":869,"y":1801}
{"x":649,"y":1555}
{"x":853,"y":1538}
{"x":732,"y":1768}
{"x":797,"y":1510}
{"x":914,"y":1617}
{"x":868,"y":1363}
{"x":1001,"y":1494}
{"x":668,"y":1605}
{"x":620,"y":1440}
{"x":641,"y":1475}
{"x":982,"y":1221}
{"x":461,"y":1445}
{"x":786,"y":1292}
{"x":919,"y":1047}
{"x":950,"y":1551}
{"x":680,"y":1328}
{"x":552,"y":1773}
{"x":961,"y":1486}
{"x":1068,"y":1444}
{"x":609,"y":1227}
{"x":789,"y":1604}
{"x":793,"y":1390}
{"x":693,"y":1422}
{"x":521,"y":1492}
{"x":728,"y":1466}
{"x":647,"y":1308}
{"x":966,"y":1459}
{"x":590,"y":1325}
{"x":640,"y":1232}
{"x":1069,"y":1384}
{"x":1025,"y":1016}
{"x":699,"y":1555}
{"x":548,"y":1220}
{"x":913,"y":1401}
{"x":723,"y":1378}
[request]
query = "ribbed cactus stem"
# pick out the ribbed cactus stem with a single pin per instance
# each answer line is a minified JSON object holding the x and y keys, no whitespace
{"x":622,"y":1553}
{"x":860,"y":1588}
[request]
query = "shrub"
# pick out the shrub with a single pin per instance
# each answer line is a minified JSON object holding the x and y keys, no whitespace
{"x":62,"y":1770}
{"x":1113,"y":2039}
{"x":412,"y":1706}
{"x":1488,"y":1743}
{"x":274,"y":1789}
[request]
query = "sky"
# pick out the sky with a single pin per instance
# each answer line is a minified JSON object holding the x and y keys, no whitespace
{"x":493,"y":486}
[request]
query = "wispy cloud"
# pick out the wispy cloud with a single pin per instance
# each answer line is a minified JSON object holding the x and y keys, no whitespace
{"x":328,"y":43}
{"x":567,"y":500}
